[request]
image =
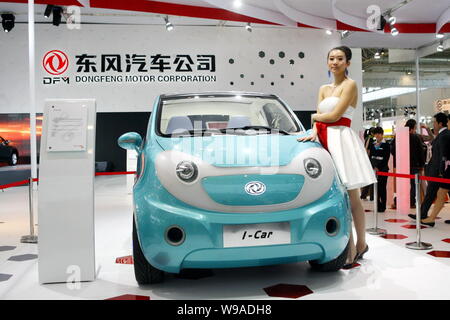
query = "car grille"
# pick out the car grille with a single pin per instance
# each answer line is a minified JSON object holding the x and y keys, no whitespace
{"x":252,"y":190}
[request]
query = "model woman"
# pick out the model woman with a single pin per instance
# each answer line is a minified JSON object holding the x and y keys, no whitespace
{"x":336,"y":105}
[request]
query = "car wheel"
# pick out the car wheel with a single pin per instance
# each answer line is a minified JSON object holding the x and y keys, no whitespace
{"x":333,"y":265}
{"x":13,"y":160}
{"x":144,"y":272}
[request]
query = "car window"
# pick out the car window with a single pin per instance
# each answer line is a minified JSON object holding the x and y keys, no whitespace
{"x":223,"y":112}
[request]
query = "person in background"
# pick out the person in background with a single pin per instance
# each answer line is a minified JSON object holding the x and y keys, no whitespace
{"x":368,"y":140}
{"x":444,"y":172}
{"x":448,"y":127}
{"x":417,"y":153}
{"x":379,"y":153}
{"x":433,"y":168}
{"x":394,"y":169}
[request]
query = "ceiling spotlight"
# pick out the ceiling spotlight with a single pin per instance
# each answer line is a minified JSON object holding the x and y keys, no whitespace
{"x":392,"y":20}
{"x":329,"y":32}
{"x":57,"y":12}
{"x":48,"y":11}
{"x":409,"y":72}
{"x":169,"y":25}
{"x":237,"y":3}
{"x":439,"y":35}
{"x":377,"y":55}
{"x":440,"y":47}
{"x":381,"y":24}
{"x":394,"y":31}
{"x":248,"y":27}
{"x":345,"y":34}
{"x":8,"y":21}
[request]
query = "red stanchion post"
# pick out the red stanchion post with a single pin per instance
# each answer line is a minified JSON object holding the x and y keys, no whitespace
{"x":418,"y":244}
{"x":31,"y":238}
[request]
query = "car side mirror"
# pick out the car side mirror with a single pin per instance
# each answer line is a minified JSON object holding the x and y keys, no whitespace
{"x":130,"y":141}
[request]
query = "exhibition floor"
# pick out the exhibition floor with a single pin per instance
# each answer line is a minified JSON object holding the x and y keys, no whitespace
{"x":389,"y":270}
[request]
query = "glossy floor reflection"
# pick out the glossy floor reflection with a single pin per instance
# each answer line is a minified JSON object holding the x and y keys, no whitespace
{"x":388,"y":271}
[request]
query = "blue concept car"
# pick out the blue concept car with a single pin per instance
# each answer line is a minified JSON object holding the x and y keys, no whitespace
{"x":223,"y":182}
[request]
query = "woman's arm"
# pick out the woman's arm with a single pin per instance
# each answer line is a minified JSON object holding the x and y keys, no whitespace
{"x":348,"y":94}
{"x":313,"y":136}
{"x":430,"y":135}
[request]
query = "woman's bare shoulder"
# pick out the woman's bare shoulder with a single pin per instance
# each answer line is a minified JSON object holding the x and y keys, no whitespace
{"x":324,"y":87}
{"x":350,"y":83}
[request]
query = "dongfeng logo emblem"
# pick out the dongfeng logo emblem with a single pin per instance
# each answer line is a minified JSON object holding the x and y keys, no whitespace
{"x":55,"y":62}
{"x":255,"y":188}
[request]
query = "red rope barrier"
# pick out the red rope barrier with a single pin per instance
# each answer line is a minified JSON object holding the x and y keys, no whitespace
{"x":442,"y":180}
{"x":398,"y":175}
{"x":410,"y":176}
{"x":113,"y":173}
{"x":380,"y":173}
{"x":19,"y":183}
{"x":14,"y":184}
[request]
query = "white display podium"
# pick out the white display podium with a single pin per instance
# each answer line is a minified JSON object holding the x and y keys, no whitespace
{"x":66,"y":191}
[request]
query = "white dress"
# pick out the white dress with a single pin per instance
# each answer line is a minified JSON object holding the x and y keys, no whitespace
{"x":347,"y":150}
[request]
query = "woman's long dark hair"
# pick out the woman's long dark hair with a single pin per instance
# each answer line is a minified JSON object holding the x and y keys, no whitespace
{"x":346,"y":50}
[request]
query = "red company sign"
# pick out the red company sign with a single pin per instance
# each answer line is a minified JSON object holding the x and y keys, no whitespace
{"x":55,"y":62}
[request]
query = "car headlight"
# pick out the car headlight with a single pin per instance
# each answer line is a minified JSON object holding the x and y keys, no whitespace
{"x":187,"y":171}
{"x":313,"y":167}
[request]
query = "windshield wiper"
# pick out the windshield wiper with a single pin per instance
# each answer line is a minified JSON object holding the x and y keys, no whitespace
{"x":257,"y":127}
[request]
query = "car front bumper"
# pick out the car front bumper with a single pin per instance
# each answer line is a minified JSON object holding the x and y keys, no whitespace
{"x":203,"y":245}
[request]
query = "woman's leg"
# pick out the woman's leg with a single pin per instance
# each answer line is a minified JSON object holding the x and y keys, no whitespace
{"x":438,"y":204}
{"x":359,"y":219}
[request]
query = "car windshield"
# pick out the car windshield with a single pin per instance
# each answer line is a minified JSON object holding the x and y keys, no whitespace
{"x":225,"y":114}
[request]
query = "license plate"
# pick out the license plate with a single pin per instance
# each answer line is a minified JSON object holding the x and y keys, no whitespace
{"x":249,"y":235}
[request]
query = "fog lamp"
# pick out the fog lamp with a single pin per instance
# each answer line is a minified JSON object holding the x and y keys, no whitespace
{"x":313,"y":167}
{"x":187,"y":171}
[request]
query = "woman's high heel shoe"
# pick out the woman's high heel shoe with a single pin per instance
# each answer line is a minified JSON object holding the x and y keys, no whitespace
{"x":360,"y":255}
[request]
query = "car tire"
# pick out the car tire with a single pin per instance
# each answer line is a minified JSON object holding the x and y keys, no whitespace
{"x":144,"y":272}
{"x":333,"y":265}
{"x":13,"y":159}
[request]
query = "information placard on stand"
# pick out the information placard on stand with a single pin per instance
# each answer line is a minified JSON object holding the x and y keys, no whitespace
{"x":66,"y":191}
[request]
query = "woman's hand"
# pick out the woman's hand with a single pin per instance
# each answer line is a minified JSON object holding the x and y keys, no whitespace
{"x":312,"y":137}
{"x":315,"y":117}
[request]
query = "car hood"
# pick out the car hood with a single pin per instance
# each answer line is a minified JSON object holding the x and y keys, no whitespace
{"x":239,"y":150}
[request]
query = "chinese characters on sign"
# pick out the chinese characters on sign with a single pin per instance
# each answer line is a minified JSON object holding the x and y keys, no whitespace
{"x":442,"y":105}
{"x":143,"y":63}
{"x":138,"y":68}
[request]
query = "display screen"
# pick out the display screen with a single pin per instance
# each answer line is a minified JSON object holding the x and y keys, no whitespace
{"x":16,"y":129}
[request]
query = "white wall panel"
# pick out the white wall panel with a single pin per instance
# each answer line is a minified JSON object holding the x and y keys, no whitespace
{"x":224,"y":43}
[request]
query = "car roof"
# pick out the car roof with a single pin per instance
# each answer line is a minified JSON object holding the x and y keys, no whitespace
{"x":218,"y":93}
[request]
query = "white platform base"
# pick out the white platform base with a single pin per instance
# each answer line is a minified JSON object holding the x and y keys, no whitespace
{"x":389,"y":270}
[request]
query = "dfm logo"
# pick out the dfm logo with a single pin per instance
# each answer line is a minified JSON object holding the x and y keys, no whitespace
{"x":55,"y":62}
{"x":255,"y":188}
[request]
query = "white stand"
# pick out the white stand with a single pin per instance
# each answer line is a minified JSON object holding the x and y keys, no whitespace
{"x":66,"y":192}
